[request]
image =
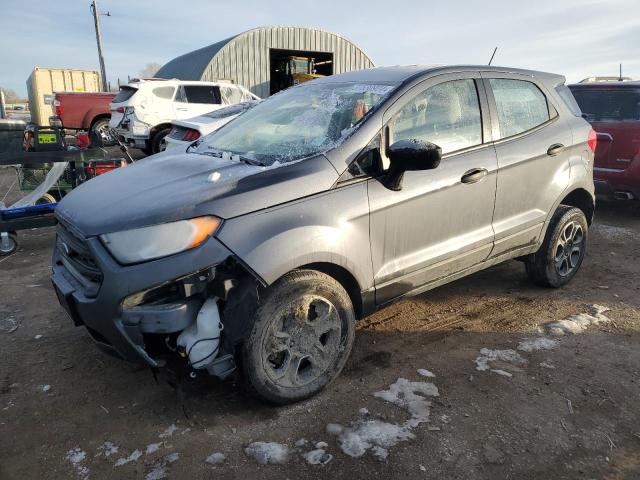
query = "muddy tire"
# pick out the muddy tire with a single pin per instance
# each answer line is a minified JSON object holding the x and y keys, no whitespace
{"x":562,"y":251}
{"x":301,"y":337}
{"x":157,"y":142}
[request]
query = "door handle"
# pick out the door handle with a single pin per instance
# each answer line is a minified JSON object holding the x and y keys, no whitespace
{"x":555,"y":149}
{"x":474,"y":175}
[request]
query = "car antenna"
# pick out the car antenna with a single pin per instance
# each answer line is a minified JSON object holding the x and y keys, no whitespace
{"x":492,"y":55}
{"x":620,"y":77}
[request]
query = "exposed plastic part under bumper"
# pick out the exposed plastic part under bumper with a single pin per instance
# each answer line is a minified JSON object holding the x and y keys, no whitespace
{"x":121,"y":333}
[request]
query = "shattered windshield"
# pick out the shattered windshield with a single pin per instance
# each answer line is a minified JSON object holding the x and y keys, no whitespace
{"x":296,"y":123}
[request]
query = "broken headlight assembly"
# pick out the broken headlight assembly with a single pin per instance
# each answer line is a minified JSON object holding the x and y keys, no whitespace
{"x":148,"y":243}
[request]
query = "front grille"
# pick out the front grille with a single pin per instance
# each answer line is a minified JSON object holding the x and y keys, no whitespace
{"x":76,"y":257}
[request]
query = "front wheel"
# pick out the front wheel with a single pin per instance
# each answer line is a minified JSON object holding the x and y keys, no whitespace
{"x":301,"y":337}
{"x":101,"y":133}
{"x":562,"y":251}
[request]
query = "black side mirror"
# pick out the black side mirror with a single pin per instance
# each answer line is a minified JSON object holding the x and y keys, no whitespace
{"x":410,"y":155}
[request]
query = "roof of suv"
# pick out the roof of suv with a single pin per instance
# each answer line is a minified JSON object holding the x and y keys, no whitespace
{"x":404,"y":73}
{"x":601,"y":85}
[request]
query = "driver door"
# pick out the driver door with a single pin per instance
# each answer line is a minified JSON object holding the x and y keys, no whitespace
{"x":440,"y":223}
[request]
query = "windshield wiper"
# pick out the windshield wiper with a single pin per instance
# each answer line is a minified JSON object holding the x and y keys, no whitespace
{"x":212,"y":152}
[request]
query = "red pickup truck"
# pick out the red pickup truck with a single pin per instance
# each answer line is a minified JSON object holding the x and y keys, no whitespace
{"x":84,"y":111}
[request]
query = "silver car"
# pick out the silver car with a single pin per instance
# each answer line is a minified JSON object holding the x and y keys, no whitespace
{"x":254,"y":252}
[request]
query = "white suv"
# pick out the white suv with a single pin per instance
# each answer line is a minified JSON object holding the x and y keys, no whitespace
{"x":143,"y":110}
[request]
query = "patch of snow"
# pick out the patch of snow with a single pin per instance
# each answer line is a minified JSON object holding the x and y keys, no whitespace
{"x":159,"y":470}
{"x":38,"y":337}
{"x":153,"y":448}
{"x":422,"y":468}
{"x":169,"y":431}
{"x":322,"y":445}
{"x":45,"y":388}
{"x":540,"y":343}
{"x":363,"y":411}
{"x":334,"y":428}
{"x":411,"y":396}
{"x":135,"y":455}
{"x":488,"y":356}
{"x":76,"y":457}
{"x":547,"y":365}
{"x":301,"y":443}
{"x":318,"y":457}
{"x":366,"y":435}
{"x":107,"y":449}
{"x":268,"y":452}
{"x":380,"y":453}
{"x":425,"y":373}
{"x":576,"y":324}
{"x":215,"y":458}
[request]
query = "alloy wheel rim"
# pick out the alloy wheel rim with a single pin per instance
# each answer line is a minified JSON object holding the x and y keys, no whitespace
{"x":568,"y":249}
{"x":302,"y":342}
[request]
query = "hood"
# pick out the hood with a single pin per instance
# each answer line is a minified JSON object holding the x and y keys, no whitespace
{"x":175,"y":186}
{"x":204,"y":125}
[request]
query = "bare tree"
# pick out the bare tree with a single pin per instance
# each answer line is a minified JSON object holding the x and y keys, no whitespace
{"x":10,"y":96}
{"x":150,"y":70}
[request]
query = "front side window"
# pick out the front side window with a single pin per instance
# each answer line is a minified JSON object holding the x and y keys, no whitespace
{"x":447,"y":114}
{"x":201,"y":94}
{"x":521,"y":105}
{"x":298,"y":122}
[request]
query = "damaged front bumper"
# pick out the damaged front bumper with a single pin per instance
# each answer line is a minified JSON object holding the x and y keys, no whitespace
{"x":123,"y":307}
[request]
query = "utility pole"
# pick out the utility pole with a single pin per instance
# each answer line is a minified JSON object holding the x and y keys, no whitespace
{"x":96,"y":20}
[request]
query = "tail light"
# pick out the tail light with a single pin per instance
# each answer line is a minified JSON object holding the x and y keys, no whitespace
{"x":57,"y":107}
{"x":190,"y":135}
{"x":120,"y":109}
{"x":592,"y":141}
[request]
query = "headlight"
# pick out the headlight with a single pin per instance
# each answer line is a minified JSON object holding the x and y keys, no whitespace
{"x":147,"y":243}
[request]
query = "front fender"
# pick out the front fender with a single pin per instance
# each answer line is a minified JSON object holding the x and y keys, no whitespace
{"x":332,"y":227}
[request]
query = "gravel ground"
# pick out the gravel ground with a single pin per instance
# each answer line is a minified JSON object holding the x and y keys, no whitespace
{"x":570,"y":411}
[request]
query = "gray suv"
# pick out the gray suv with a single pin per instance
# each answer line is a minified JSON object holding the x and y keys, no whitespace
{"x":255,"y":251}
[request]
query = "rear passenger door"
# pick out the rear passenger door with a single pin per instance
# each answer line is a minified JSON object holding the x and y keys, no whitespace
{"x":194,"y":100}
{"x":532,"y":143}
{"x":440,"y":222}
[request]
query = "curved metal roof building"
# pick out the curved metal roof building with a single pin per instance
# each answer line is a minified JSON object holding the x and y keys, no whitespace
{"x":251,"y":58}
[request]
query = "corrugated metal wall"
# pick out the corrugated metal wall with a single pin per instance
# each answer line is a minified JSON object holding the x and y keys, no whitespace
{"x":245,"y":59}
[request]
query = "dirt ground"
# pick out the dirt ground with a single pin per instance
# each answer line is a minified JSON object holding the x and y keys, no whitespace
{"x":572,"y":411}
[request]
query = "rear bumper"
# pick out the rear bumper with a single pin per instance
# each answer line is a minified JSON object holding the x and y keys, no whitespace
{"x":610,"y":180}
{"x":117,"y":331}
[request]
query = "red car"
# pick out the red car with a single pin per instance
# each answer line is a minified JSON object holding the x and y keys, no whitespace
{"x":613,"y":109}
{"x":84,"y":111}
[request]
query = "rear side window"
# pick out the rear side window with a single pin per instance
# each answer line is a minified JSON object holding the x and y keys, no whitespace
{"x":164,"y":92}
{"x":567,"y":98}
{"x":124,"y":94}
{"x":199,"y":94}
{"x":521,"y":105}
{"x":608,"y":105}
{"x":231,"y":95}
{"x":447,"y":114}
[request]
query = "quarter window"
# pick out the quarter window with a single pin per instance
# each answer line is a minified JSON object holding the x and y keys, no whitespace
{"x":447,"y":114}
{"x":231,"y":95}
{"x":164,"y":92}
{"x":521,"y":106}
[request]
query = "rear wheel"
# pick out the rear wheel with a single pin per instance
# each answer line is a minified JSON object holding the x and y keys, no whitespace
{"x":101,"y":133}
{"x":45,"y":199}
{"x":8,"y":243}
{"x":562,"y":251}
{"x":158,"y":143}
{"x":301,"y":337}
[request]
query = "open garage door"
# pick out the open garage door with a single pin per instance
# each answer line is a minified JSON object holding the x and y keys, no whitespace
{"x":291,"y":67}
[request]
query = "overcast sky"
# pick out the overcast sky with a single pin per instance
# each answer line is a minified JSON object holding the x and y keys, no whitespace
{"x":577,"y":38}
